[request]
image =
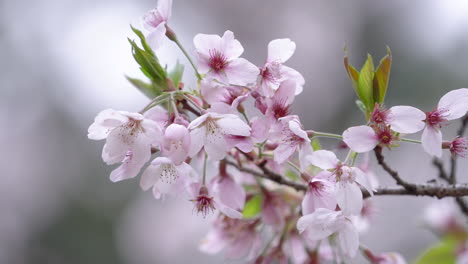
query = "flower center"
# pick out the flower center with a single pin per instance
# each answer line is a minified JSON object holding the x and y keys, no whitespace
{"x":459,"y":147}
{"x":153,"y":18}
{"x":385,"y":136}
{"x":271,"y":73}
{"x":203,"y":202}
{"x":217,"y":60}
{"x":379,"y":116}
{"x":129,"y":131}
{"x":280,"y":108}
{"x":436,"y":117}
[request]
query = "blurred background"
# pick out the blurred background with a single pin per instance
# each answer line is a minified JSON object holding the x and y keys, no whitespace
{"x":63,"y":61}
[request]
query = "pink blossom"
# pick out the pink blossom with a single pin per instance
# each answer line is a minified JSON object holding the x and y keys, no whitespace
{"x":209,"y":131}
{"x":365,"y":138}
{"x":228,"y":192}
{"x":218,"y":58}
{"x":320,"y":194}
{"x":459,"y":147}
{"x":444,"y":216}
{"x":238,"y":238}
{"x":155,"y":21}
{"x":273,"y":73}
{"x":292,"y":137}
{"x":223,"y":99}
{"x":165,"y":177}
{"x":128,"y":140}
{"x":347,"y":192}
{"x":280,"y":103}
{"x":325,"y":222}
{"x":274,"y":209}
{"x":452,"y":105}
{"x":402,"y":119}
{"x":208,"y":198}
{"x":176,"y":143}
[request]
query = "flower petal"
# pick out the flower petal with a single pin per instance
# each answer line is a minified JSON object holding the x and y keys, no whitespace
{"x":360,"y":138}
{"x":283,"y":152}
{"x":230,"y":47}
{"x":349,"y":197}
{"x":280,"y":50}
{"x":233,"y":125}
{"x":406,"y":119}
{"x":241,"y":72}
{"x":455,"y":102}
{"x":155,"y":38}
{"x":323,"y":159}
{"x":362,"y":179}
{"x":197,"y":139}
{"x":348,"y":239}
{"x":321,"y":224}
{"x":432,"y":141}
{"x":291,"y":74}
{"x":165,"y":8}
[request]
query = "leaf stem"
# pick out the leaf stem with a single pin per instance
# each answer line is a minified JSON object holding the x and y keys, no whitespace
{"x":410,"y":140}
{"x":188,"y":58}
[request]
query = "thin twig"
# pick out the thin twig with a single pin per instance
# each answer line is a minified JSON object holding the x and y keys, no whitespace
{"x":431,"y":190}
{"x":394,"y":174}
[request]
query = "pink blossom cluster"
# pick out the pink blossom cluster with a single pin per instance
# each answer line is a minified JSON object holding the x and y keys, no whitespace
{"x":209,"y":126}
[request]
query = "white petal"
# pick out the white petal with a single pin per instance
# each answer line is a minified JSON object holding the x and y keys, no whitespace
{"x":213,"y":243}
{"x":104,"y":122}
{"x":283,"y":152}
{"x":205,"y":42}
{"x":305,"y":149}
{"x":165,"y":8}
{"x":323,"y":159}
{"x":241,"y":72}
{"x":362,"y":179}
{"x":406,"y":119}
{"x":233,"y":125}
{"x":348,"y":239}
{"x":360,"y":138}
{"x":296,"y":128}
{"x":291,"y":74}
{"x":432,"y":141}
{"x":149,"y":177}
{"x":321,"y":224}
{"x":230,"y":47}
{"x":215,"y":145}
{"x":455,"y":102}
{"x":197,"y":138}
{"x":280,"y":50}
{"x":155,"y":38}
{"x":349,"y":197}
{"x":227,"y":210}
{"x":199,"y":121}
{"x":229,"y":193}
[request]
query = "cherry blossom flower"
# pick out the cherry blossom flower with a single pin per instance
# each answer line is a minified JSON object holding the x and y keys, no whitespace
{"x":238,"y":238}
{"x":208,"y":198}
{"x":274,"y":72}
{"x":165,"y":177}
{"x":444,"y":216}
{"x":218,"y":58}
{"x":155,"y":21}
{"x":274,"y":209}
{"x":325,"y":222}
{"x":209,"y":131}
{"x":347,"y":192}
{"x":402,"y":119}
{"x":458,"y":147}
{"x":452,"y":105}
{"x":291,"y":136}
{"x":384,"y":258}
{"x":365,"y":138}
{"x":320,"y":194}
{"x":279,"y":104}
{"x":176,"y":143}
{"x":128,"y":140}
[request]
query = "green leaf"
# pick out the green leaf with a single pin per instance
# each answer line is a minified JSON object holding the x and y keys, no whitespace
{"x":146,"y":88}
{"x":382,"y":75}
{"x":316,"y":144}
{"x":365,"y":83}
{"x":352,"y":72}
{"x":144,"y":44}
{"x":443,"y":252}
{"x":149,"y":64}
{"x":176,"y":74}
{"x":253,"y":207}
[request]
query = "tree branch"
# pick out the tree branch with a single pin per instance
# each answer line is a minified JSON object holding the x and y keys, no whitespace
{"x":431,"y":190}
{"x":394,"y":174}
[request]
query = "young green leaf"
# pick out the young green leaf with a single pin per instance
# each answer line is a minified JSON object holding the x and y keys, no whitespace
{"x":382,"y":75}
{"x":149,"y":65}
{"x":443,"y":252}
{"x":144,"y":44}
{"x":253,"y":207}
{"x":365,"y":82}
{"x":316,"y":144}
{"x":146,"y":88}
{"x":352,"y":72}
